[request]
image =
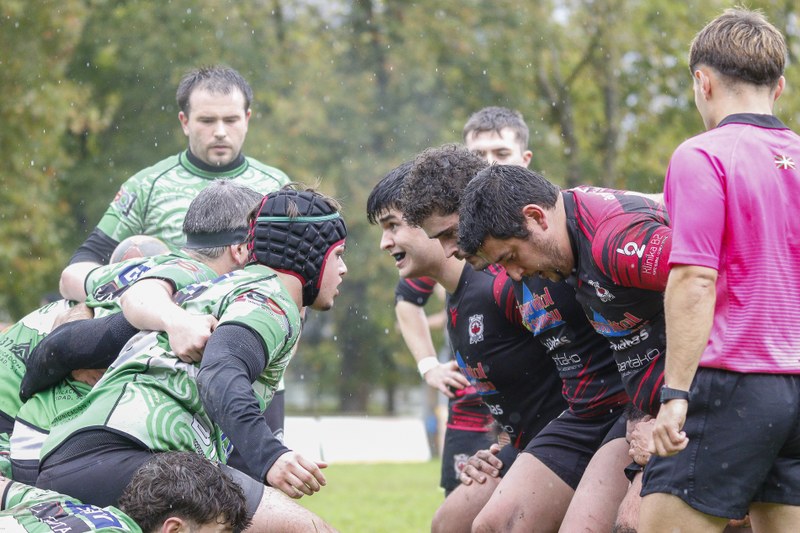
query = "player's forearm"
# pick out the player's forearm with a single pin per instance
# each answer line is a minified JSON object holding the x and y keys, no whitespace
{"x":415,"y":331}
{"x":689,"y":303}
{"x":148,"y":305}
{"x":71,"y":284}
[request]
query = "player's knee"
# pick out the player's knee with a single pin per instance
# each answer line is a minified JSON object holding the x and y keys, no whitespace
{"x":490,"y":520}
{"x":440,"y":520}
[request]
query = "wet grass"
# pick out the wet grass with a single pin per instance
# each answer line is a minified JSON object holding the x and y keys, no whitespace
{"x":379,"y":498}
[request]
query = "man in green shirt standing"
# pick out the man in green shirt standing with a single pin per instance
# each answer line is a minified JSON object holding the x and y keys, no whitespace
{"x":214,"y":114}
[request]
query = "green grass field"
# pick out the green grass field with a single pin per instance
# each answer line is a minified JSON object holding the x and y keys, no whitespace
{"x":379,"y":498}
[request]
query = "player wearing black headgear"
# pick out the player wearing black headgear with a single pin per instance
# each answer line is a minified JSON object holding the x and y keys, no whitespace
{"x":293,"y":232}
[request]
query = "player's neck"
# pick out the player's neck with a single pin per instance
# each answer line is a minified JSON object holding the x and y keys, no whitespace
{"x":450,"y":274}
{"x":293,"y":287}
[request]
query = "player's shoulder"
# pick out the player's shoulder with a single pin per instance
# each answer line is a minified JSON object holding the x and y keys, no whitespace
{"x":267,"y":171}
{"x":151,"y":174}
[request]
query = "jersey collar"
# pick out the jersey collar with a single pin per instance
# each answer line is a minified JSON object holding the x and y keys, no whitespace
{"x":763,"y":121}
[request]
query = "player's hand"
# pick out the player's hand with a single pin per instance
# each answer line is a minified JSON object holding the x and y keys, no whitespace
{"x":295,"y":476}
{"x":668,"y":437}
{"x":640,"y":437}
{"x":90,"y":376}
{"x":482,"y":464}
{"x":188,"y":336}
{"x":446,"y":376}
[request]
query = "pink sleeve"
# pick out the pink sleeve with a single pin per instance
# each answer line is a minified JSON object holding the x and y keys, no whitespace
{"x":694,"y":193}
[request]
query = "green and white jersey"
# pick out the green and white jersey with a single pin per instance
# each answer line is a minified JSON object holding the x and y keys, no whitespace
{"x":150,"y":396}
{"x":105,"y":284}
{"x":154,"y":201}
{"x":32,"y":424}
{"x":16,"y":344}
{"x":31,"y":510}
{"x":5,"y":455}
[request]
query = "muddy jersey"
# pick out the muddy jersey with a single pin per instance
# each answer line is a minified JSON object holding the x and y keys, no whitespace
{"x":154,"y":201}
{"x":591,"y":384}
{"x":467,"y":411}
{"x":509,"y":370}
{"x":621,"y":243}
{"x":151,"y":397}
{"x":27,"y":509}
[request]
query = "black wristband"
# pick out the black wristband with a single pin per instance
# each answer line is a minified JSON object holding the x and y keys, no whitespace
{"x":668,"y":394}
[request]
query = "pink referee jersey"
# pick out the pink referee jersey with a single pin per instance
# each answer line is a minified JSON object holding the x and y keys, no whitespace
{"x":733,"y":196}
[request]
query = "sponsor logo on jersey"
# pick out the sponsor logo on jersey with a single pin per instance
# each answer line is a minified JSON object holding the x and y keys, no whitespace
{"x":784,"y":162}
{"x":611,"y":328}
{"x":637,"y":361}
{"x":535,"y":315}
{"x":475,"y":329}
{"x":653,"y":255}
{"x":125,"y":201}
{"x":624,"y":344}
{"x":64,"y":517}
{"x":601,"y":292}
{"x":632,"y":248}
{"x":477,"y":376}
{"x":553,"y":342}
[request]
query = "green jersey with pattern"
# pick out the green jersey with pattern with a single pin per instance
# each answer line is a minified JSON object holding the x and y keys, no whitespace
{"x":154,"y":201}
{"x":151,"y":397}
{"x":16,"y":344}
{"x":31,"y":510}
{"x":105,"y":284}
{"x":32,"y":424}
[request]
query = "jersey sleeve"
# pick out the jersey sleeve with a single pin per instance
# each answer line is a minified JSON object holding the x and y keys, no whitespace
{"x":633,"y":250}
{"x":125,"y":215}
{"x":414,"y":290}
{"x":265,"y":317}
{"x":694,"y":191}
{"x":504,"y":297}
{"x":180,"y":273}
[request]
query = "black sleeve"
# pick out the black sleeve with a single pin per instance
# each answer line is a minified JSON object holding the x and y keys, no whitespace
{"x":414,"y":290}
{"x":233,"y":359}
{"x":93,"y":343}
{"x":97,"y":248}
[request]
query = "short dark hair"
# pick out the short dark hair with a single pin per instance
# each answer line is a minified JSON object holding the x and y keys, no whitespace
{"x":184,"y":485}
{"x":492,"y":203}
{"x":223,"y":206}
{"x":437,"y":181}
{"x":387,"y":193}
{"x":216,"y":79}
{"x":495,"y":119}
{"x":741,"y":45}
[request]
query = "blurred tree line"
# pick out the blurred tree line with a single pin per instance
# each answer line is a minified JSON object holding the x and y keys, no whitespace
{"x":344,"y":91}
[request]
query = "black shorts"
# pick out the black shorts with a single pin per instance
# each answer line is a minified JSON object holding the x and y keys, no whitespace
{"x":567,"y":443}
{"x":459,"y":446}
{"x":744,"y":445}
{"x":95,"y":466}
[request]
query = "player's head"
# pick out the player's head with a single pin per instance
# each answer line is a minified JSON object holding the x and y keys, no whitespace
{"x":138,"y":246}
{"x":432,"y":192}
{"x":504,"y":217}
{"x":184,"y":488}
{"x":301,"y":233}
{"x":214,"y":105}
{"x":742,"y":46}
{"x":217,"y":219}
{"x":499,"y":135}
{"x":216,"y":79}
{"x":414,"y":253}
